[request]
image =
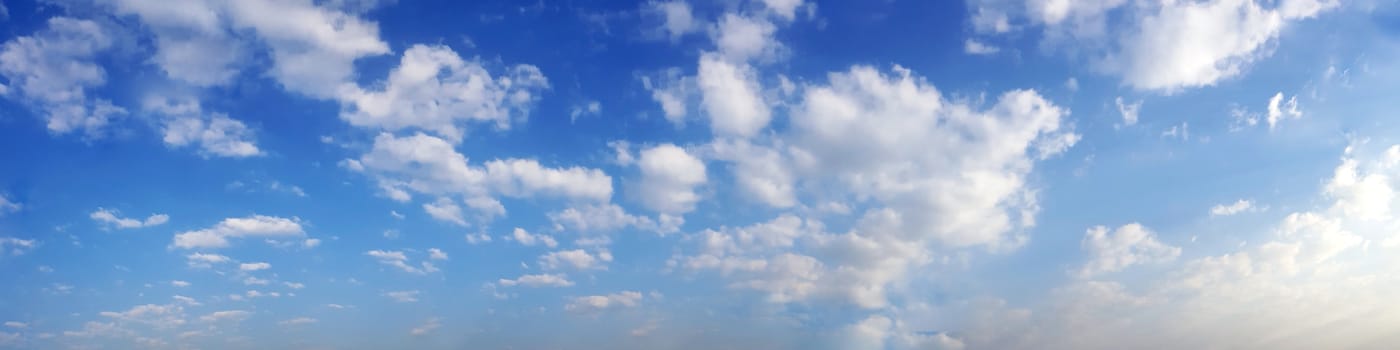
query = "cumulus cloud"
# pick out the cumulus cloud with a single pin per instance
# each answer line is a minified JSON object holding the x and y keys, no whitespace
{"x":1280,"y":110}
{"x":403,"y":296}
{"x":185,"y":123}
{"x":250,"y":226}
{"x":110,"y":218}
{"x":17,"y":246}
{"x":669,"y":177}
{"x":730,"y":96}
{"x":603,"y":218}
{"x":528,"y":239}
{"x":53,"y":70}
{"x":676,"y":16}
{"x":537,"y":281}
{"x":436,"y":254}
{"x":254,"y":266}
{"x":974,"y":47}
{"x":1129,"y":110}
{"x":445,"y":209}
{"x":1128,"y":245}
{"x":435,"y":90}
{"x":206,"y":260}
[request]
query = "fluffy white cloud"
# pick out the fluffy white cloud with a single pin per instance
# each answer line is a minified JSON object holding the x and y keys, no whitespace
{"x":597,"y":303}
{"x":1237,"y":207}
{"x":206,"y":260}
{"x":671,"y":91}
{"x":185,"y":123}
{"x":1125,"y":246}
{"x":763,"y":173}
{"x":313,"y":48}
{"x":1157,"y":45}
{"x":730,"y":96}
{"x":436,"y":254}
{"x":536,"y":281}
{"x":676,"y":16}
{"x":592,"y":218}
{"x":251,"y":226}
{"x":669,"y":178}
{"x":400,"y":260}
{"x":1280,"y":110}
{"x":226,"y":315}
{"x":575,"y":259}
{"x":435,"y":90}
{"x":430,"y":165}
{"x":8,"y":206}
{"x":742,"y":38}
{"x":785,"y":9}
{"x":254,"y":266}
{"x":110,"y":218}
{"x":528,"y":239}
{"x":53,"y":70}
{"x":192,"y":39}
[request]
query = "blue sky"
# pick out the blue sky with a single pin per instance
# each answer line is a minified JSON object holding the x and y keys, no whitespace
{"x":699,"y":174}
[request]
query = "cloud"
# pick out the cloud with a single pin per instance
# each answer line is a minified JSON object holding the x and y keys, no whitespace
{"x":741,"y":38}
{"x":436,"y":254}
{"x":430,"y":165}
{"x":577,"y":259}
{"x":1240,"y":206}
{"x":602,"y":218}
{"x":193,"y":41}
{"x":445,"y":209}
{"x":974,"y":47}
{"x":1280,"y":110}
{"x":1129,"y":111}
{"x":597,"y":303}
{"x":53,"y":70}
{"x":184,"y":123}
{"x":16,"y":246}
{"x":730,"y":96}
{"x":763,"y":173}
{"x":1155,"y":45}
{"x":297,"y":321}
{"x":313,"y":48}
{"x":536,"y":281}
{"x":677,"y":18}
{"x":785,"y":9}
{"x":435,"y":90}
{"x":670,"y":90}
{"x":1125,"y":246}
{"x":110,"y":218}
{"x":254,"y":266}
{"x":528,"y":239}
{"x":399,"y":260}
{"x":427,"y":327}
{"x":206,"y":260}
{"x":403,"y":296}
{"x":591,"y":108}
{"x":8,"y":206}
{"x":669,"y":178}
{"x":250,"y":226}
{"x":226,"y":315}
{"x":179,"y":283}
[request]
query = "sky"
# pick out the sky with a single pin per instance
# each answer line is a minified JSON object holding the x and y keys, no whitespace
{"x":699,"y":174}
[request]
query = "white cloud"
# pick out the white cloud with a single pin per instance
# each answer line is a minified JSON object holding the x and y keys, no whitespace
{"x":313,"y":48}
{"x":785,"y":9}
{"x":7,"y":206}
{"x":1158,"y":45}
{"x":179,"y":283}
{"x":446,"y":210}
{"x":974,"y":47}
{"x":730,"y":96}
{"x":297,"y":321}
{"x":597,"y":303}
{"x":670,"y":90}
{"x":250,"y":226}
{"x":536,"y":281}
{"x":254,"y":281}
{"x":591,"y":108}
{"x":430,"y":165}
{"x":669,"y":178}
{"x":1125,"y":246}
{"x":741,"y":38}
{"x":1240,"y":206}
{"x":1280,"y":110}
{"x":403,"y":296}
{"x":676,"y":16}
{"x":427,"y":327}
{"x":610,"y":217}
{"x":226,"y":315}
{"x":399,"y":260}
{"x":205,"y":260}
{"x":17,"y":246}
{"x":436,"y":254}
{"x":577,"y":259}
{"x":16,"y":324}
{"x":762,"y":172}
{"x":311,"y":243}
{"x":1129,"y":111}
{"x":478,"y":238}
{"x":53,"y":70}
{"x":294,"y":285}
{"x":185,"y":123}
{"x":528,"y":239}
{"x":254,"y":266}
{"x":193,"y":42}
{"x":109,"y":217}
{"x":435,"y":90}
